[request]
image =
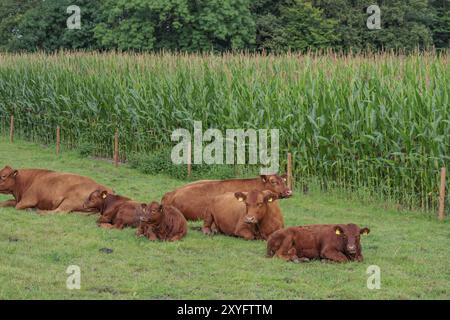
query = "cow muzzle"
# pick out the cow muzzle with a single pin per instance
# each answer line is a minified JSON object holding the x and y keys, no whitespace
{"x":351,"y":249}
{"x":286,"y":194}
{"x":250,"y":219}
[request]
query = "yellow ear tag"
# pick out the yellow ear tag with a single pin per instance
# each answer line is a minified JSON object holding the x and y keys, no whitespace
{"x":104,"y":196}
{"x":270,"y":200}
{"x":338,"y":232}
{"x":365,"y":232}
{"x":241,"y":199}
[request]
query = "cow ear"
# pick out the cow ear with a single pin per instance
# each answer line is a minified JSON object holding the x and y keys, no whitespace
{"x":160,"y":208}
{"x":14,"y":174}
{"x":104,"y":194}
{"x":338,"y":230}
{"x":364,"y":231}
{"x":241,"y":196}
{"x":270,"y":197}
{"x":143,"y":206}
{"x":264,"y":178}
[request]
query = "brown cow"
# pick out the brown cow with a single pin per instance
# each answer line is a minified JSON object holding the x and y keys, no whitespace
{"x":162,"y":222}
{"x":48,"y":191}
{"x":116,"y":211}
{"x":193,"y":199}
{"x":335,"y":242}
{"x":249,"y":215}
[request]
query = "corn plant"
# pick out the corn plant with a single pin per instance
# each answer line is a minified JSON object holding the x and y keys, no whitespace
{"x":376,"y":122}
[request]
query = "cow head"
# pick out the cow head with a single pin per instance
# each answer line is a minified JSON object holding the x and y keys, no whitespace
{"x":96,"y":200}
{"x":152,"y":213}
{"x":350,"y":234}
{"x":7,"y":180}
{"x":256,"y":203}
{"x":276,"y":184}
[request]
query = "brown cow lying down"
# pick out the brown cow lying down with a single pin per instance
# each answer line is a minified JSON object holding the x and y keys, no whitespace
{"x":47,"y":191}
{"x":162,"y":222}
{"x":335,"y":242}
{"x":116,"y":211}
{"x":249,"y":215}
{"x":193,"y":199}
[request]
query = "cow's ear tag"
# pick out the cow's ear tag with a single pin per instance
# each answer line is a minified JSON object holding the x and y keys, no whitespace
{"x":104,"y":196}
{"x":270,"y":200}
{"x":365,"y":232}
{"x":338,"y":232}
{"x":240,"y":199}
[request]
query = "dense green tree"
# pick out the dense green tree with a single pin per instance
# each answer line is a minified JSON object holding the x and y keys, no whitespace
{"x":221,"y":25}
{"x":441,"y":23}
{"x":11,"y":12}
{"x":293,"y":25}
{"x":43,"y":26}
{"x":192,"y":25}
{"x":404,"y":23}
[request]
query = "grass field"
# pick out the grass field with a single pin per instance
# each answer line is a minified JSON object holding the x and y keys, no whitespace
{"x":411,"y":249}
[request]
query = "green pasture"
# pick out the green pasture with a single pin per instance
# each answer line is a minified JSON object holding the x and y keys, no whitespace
{"x":411,"y":249}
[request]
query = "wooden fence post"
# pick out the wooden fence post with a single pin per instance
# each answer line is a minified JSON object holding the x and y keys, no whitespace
{"x":289,"y":170}
{"x":116,"y":148}
{"x":442,"y":195}
{"x":11,"y":130}
{"x":189,"y":159}
{"x":58,"y":140}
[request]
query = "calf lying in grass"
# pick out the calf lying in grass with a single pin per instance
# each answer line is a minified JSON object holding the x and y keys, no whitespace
{"x":162,"y":223}
{"x":116,"y":211}
{"x":249,"y":215}
{"x":335,"y":242}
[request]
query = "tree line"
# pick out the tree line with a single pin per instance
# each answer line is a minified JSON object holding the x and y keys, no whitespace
{"x":223,"y":25}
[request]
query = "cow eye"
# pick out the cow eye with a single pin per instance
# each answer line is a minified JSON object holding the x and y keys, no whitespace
{"x":3,"y":177}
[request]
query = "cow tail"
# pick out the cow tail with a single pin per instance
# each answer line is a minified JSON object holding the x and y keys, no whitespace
{"x":270,"y":248}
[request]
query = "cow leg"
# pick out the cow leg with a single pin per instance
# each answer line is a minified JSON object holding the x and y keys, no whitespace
{"x":244,"y":231}
{"x":287,"y":251}
{"x":118,"y":224}
{"x":47,"y":212}
{"x":8,"y":203}
{"x":25,"y":204}
{"x":140,"y":232}
{"x":290,"y":255}
{"x":214,"y":228}
{"x":85,"y":213}
{"x":106,"y":225}
{"x":246,"y":234}
{"x":176,"y":237}
{"x":359,"y":258}
{"x":68,"y":206}
{"x":207,"y":223}
{"x":151,"y":235}
{"x":334,"y":255}
{"x":103,"y":219}
{"x":299,"y":260}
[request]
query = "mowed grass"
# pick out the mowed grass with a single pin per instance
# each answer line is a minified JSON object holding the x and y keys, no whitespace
{"x":411,"y":249}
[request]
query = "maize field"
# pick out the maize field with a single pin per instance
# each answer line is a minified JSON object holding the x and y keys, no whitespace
{"x":375,"y":122}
